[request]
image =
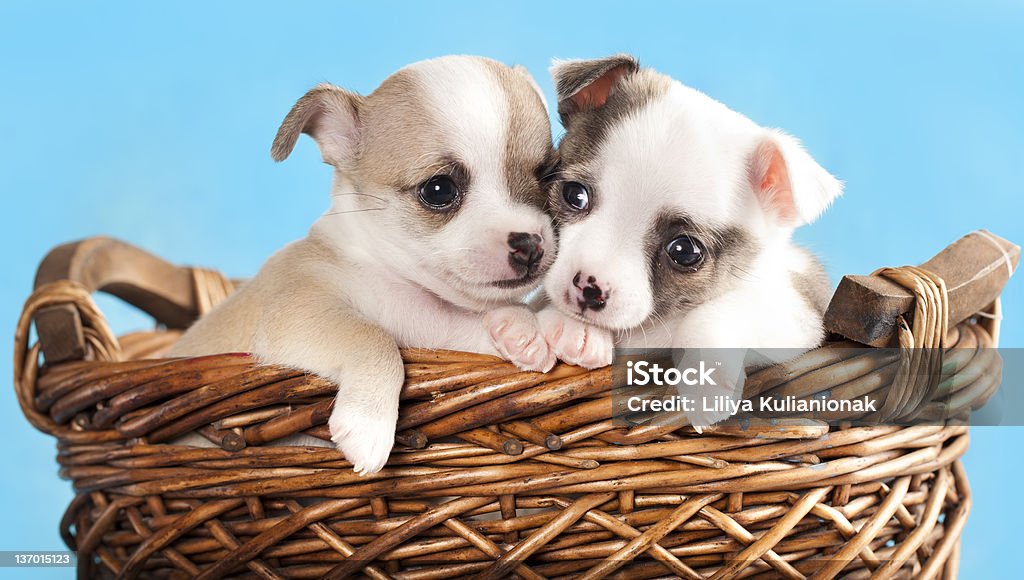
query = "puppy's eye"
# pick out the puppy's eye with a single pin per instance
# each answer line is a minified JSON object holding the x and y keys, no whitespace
{"x":438,"y":192}
{"x":685,"y":252}
{"x":576,"y":195}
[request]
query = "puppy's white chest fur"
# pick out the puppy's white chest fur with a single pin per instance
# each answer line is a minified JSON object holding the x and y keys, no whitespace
{"x":413,"y":315}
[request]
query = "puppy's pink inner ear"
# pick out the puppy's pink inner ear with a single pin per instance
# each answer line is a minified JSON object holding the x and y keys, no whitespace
{"x":772,"y":184}
{"x":595,"y":95}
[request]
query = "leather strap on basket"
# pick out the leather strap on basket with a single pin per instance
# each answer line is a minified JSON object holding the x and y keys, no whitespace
{"x":921,"y":346}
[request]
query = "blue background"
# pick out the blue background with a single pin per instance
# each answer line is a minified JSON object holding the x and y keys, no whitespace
{"x":153,"y":124}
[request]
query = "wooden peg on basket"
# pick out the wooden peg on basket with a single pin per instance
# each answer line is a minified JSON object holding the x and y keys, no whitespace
{"x":975,"y":268}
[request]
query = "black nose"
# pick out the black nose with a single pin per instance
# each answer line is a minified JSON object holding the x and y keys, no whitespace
{"x":593,"y":297}
{"x":526,"y":251}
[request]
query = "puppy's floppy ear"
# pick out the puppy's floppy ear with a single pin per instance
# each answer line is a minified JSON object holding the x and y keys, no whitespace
{"x":584,"y":85}
{"x":790,"y":185}
{"x":328,"y":114}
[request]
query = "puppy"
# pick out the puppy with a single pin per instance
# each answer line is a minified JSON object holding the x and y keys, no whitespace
{"x":675,"y":217}
{"x":434,"y":235}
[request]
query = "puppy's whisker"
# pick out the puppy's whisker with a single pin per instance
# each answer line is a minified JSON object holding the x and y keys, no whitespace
{"x":377,"y":197}
{"x":624,"y":334}
{"x":421,"y":158}
{"x":418,"y":163}
{"x":550,"y":175}
{"x":740,"y":278}
{"x":744,"y":270}
{"x":438,"y":169}
{"x":744,"y":275}
{"x":661,"y":320}
{"x":442,"y":252}
{"x":344,"y":211}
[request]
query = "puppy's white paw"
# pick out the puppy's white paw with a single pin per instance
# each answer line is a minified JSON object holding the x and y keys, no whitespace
{"x":517,"y":337}
{"x":713,"y":402}
{"x":364,"y":436}
{"x":718,"y":387}
{"x":575,"y":342}
{"x":701,"y":420}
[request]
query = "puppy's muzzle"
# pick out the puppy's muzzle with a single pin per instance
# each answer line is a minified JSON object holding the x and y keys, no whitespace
{"x":588,"y":294}
{"x":527,"y":252}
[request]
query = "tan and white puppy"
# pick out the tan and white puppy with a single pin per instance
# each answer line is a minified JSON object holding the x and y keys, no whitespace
{"x":434,"y":235}
{"x":675,"y":217}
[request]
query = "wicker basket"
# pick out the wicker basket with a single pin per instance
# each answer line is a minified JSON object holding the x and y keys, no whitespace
{"x":497,"y":472}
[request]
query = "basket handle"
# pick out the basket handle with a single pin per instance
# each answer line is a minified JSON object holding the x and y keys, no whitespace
{"x":974,"y":269}
{"x":164,"y":291}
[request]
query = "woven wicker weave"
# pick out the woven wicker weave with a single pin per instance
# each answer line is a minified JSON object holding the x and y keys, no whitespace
{"x":497,"y":472}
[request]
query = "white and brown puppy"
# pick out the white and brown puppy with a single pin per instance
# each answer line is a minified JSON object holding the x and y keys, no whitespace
{"x":434,"y":235}
{"x":675,"y":217}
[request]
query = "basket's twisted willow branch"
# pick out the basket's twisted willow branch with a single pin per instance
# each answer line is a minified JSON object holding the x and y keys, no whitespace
{"x":101,"y":340}
{"x":210,"y":288}
{"x":921,"y":347}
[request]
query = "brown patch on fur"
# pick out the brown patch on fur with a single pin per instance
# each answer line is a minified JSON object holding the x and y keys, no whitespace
{"x":813,"y":284}
{"x":528,"y":147}
{"x":728,"y":252}
{"x":393,"y":155}
{"x":402,"y":146}
{"x":586,"y":130}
